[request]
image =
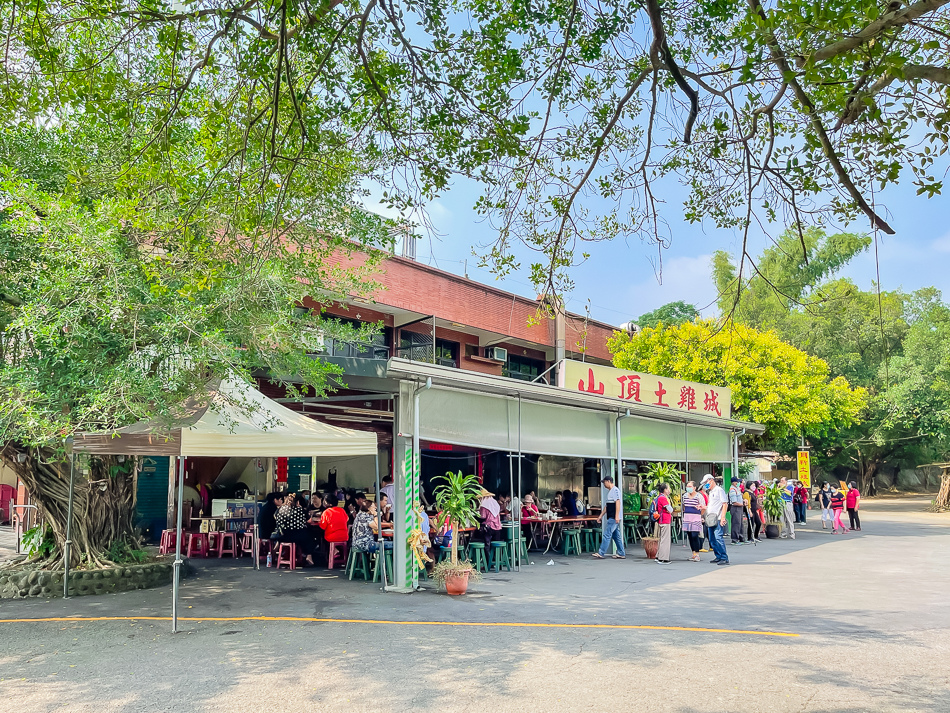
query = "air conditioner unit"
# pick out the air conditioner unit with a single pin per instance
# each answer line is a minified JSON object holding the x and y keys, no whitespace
{"x":496,"y":353}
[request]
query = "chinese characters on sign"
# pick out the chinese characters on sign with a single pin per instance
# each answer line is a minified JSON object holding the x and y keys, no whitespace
{"x":804,"y":468}
{"x":646,"y":389}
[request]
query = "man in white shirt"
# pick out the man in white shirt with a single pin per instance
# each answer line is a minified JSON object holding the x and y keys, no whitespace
{"x":716,"y":509}
{"x":614,"y":528}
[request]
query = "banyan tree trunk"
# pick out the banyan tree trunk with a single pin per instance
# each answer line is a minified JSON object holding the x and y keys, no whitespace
{"x":103,"y":503}
{"x":942,"y":501}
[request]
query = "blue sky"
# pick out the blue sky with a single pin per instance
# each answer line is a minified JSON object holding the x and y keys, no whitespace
{"x":620,"y":278}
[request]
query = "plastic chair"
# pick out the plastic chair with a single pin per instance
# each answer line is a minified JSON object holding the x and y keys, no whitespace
{"x":498,"y":556}
{"x":476,"y":553}
{"x":572,"y":541}
{"x":227,"y":544}
{"x":444,"y":553}
{"x":287,"y":554}
{"x":389,"y":565}
{"x":197,"y":544}
{"x":247,"y":544}
{"x":167,"y":543}
{"x":338,"y":550}
{"x":591,"y":537}
{"x":358,"y":563}
{"x":523,"y":546}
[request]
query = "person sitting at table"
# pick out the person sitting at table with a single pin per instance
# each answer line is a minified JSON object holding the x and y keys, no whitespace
{"x":529,"y":510}
{"x":292,"y":527}
{"x":579,"y":504}
{"x":267,"y":522}
{"x":316,"y":504}
{"x":557,"y":504}
{"x":570,"y":504}
{"x":334,"y":521}
{"x":385,"y":507}
{"x":366,"y":528}
{"x":489,"y":513}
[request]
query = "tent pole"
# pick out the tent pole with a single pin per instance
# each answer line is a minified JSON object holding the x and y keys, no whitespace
{"x":69,"y":524}
{"x":177,"y":573}
{"x":511,"y":491}
{"x":255,"y":542}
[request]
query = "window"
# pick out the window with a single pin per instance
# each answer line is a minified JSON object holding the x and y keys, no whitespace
{"x":376,"y":348}
{"x":522,"y":368}
{"x":418,"y":347}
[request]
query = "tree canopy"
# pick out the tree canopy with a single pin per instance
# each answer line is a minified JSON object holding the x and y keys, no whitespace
{"x":773,"y":383}
{"x":790,"y":112}
{"x":893,"y":344}
{"x":671,"y":314}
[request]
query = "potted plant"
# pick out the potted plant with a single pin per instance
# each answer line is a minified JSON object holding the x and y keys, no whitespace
{"x":773,"y":506}
{"x":655,"y":474}
{"x":457,"y":501}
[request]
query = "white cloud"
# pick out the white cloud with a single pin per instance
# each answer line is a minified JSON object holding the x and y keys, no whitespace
{"x":941,"y":245}
{"x":682,"y":278}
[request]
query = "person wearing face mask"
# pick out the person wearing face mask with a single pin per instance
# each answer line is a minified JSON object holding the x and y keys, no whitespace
{"x":694,"y":505}
{"x":715,"y":516}
{"x":823,"y":498}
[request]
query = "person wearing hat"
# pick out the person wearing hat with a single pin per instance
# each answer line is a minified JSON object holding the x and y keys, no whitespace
{"x":489,"y":512}
{"x":716,"y":509}
{"x":614,"y":527}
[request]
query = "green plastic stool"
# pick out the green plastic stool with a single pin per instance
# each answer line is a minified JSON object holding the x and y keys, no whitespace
{"x":445,"y":553}
{"x":572,"y":541}
{"x":389,"y":566}
{"x":591,"y":537}
{"x":524,"y":550}
{"x":358,"y":563}
{"x":631,"y":532}
{"x":476,"y":553}
{"x":423,"y":574}
{"x":499,"y":556}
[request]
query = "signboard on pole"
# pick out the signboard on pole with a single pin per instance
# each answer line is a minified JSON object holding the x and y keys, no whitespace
{"x":647,"y":389}
{"x":804,"y":468}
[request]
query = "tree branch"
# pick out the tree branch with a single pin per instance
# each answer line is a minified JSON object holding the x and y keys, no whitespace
{"x":808,"y":105}
{"x":897,"y":18}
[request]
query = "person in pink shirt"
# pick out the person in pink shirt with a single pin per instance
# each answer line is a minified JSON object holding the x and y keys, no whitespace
{"x":664,"y":511}
{"x":852,"y":501}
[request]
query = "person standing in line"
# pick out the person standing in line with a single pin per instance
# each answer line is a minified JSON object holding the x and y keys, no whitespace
{"x":736,"y":506}
{"x":788,"y":491}
{"x":837,"y":507}
{"x":800,"y":501}
{"x":716,"y":508}
{"x":694,"y":505}
{"x":823,"y":498}
{"x":752,"y":508}
{"x":852,"y":502}
{"x":665,"y":511}
{"x":614,"y":514}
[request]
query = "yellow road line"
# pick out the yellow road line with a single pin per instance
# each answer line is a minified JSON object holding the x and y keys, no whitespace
{"x":528,"y":625}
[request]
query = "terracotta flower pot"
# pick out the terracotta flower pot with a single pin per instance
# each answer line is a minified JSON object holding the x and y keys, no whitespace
{"x":650,"y":546}
{"x":456,"y":584}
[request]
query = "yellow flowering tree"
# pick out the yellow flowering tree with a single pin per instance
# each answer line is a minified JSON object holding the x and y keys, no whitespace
{"x":773,"y":383}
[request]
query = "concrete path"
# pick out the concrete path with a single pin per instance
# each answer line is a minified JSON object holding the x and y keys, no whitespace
{"x":870,"y":612}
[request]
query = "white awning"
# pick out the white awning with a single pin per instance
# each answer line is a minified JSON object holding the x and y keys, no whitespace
{"x":236,"y":420}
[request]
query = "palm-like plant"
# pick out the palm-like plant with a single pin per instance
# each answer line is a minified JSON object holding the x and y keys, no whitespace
{"x":457,"y":501}
{"x":772,"y":503}
{"x":657,"y":473}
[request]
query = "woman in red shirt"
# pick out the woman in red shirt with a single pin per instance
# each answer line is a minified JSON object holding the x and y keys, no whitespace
{"x":852,"y":501}
{"x":334,"y":521}
{"x":665,"y":511}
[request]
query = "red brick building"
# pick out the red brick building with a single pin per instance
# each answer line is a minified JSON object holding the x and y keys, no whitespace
{"x":476,"y":327}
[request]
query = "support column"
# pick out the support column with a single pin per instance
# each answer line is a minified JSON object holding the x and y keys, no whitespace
{"x":170,"y":517}
{"x":406,"y":487}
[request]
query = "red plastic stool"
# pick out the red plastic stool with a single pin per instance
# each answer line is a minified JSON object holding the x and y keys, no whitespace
{"x":337,"y":549}
{"x":227,"y":544}
{"x":247,"y":544}
{"x":290,"y":550}
{"x":167,"y":543}
{"x":198,"y":545}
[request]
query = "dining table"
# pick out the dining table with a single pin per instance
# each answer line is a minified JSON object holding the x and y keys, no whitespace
{"x":555,"y":525}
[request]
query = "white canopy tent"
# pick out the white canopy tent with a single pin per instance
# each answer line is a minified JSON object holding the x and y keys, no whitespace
{"x":234,"y":420}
